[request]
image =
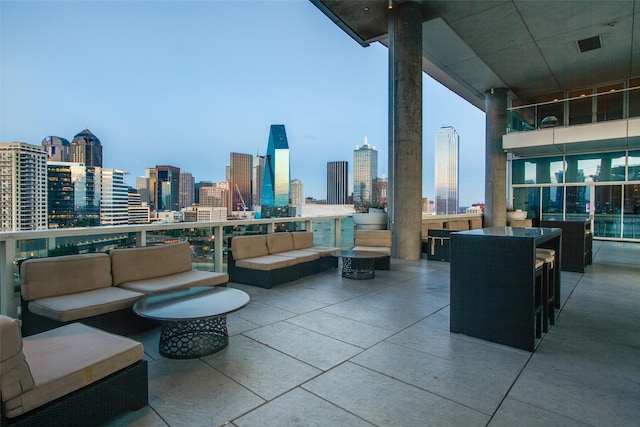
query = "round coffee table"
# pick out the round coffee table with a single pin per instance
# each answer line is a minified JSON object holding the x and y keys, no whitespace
{"x":358,"y":265}
{"x":194,"y":320}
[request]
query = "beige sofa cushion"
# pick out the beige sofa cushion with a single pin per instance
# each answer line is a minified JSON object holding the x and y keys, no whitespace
{"x":146,"y":262}
{"x":15,"y":376}
{"x":430,"y":225}
{"x":66,"y":308}
{"x":373,"y":238}
{"x":301,"y":256}
{"x":267,"y":262}
{"x":382,"y":249}
{"x":68,"y":358}
{"x":186,"y":279}
{"x":302,"y":239}
{"x":323,"y":251}
{"x":249,"y":246}
{"x":46,"y":277}
{"x":279,"y":242}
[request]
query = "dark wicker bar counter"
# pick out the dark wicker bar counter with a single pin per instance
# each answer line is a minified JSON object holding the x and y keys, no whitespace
{"x":493,"y":282}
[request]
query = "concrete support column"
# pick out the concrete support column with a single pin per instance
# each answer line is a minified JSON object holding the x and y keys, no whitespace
{"x":495,"y":187}
{"x":405,"y":129}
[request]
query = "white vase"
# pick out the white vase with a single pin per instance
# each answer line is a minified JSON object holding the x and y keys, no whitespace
{"x":370,"y":221}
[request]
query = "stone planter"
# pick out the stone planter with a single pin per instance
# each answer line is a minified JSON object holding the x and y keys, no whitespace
{"x":370,"y":221}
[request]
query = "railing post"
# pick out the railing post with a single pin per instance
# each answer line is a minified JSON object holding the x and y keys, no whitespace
{"x":141,"y":238}
{"x":338,"y":232}
{"x":218,"y":237}
{"x":8,"y":305}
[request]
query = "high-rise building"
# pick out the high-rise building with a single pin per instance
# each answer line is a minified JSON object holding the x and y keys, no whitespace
{"x":114,"y":197}
{"x":86,"y":148}
{"x":446,"y":171}
{"x":297,"y":192}
{"x":167,"y":188}
{"x":138,"y":210}
{"x":379,"y":190}
{"x":213,"y":196}
{"x":151,"y":174}
{"x":73,"y":195}
{"x":257,"y":179}
{"x":337,"y":182}
{"x":58,"y":149}
{"x":365,"y":170}
{"x":197,"y":187}
{"x":240,"y":173}
{"x":187,"y":188}
{"x":23,"y":185}
{"x":276,"y":192}
{"x":142,"y":187}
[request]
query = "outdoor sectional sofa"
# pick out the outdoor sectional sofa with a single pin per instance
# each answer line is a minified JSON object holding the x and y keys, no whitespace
{"x":267,"y":260}
{"x":100,"y":289}
{"x":74,"y":375}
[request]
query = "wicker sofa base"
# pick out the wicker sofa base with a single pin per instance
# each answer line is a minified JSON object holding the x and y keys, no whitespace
{"x":271,"y":278}
{"x":122,"y":391}
{"x":121,"y":322}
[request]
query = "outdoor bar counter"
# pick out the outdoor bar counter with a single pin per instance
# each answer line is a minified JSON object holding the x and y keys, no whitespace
{"x":493,"y":282}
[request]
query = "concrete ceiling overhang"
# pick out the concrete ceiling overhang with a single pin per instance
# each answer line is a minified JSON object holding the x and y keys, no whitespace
{"x":529,"y":47}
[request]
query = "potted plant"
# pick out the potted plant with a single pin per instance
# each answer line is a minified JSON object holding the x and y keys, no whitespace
{"x":371,"y":216}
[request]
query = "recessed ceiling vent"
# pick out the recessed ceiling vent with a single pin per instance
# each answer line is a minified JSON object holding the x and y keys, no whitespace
{"x":592,"y":43}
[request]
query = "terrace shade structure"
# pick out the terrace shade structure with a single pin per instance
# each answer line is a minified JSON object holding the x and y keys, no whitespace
{"x":554,"y":78}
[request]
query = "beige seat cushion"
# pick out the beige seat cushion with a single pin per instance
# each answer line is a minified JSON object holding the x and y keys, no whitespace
{"x":15,"y":375}
{"x":267,"y":262}
{"x":68,"y":358}
{"x":249,"y":246}
{"x":302,"y":239}
{"x":186,"y":279}
{"x":430,"y":225}
{"x":373,"y":249}
{"x":279,"y":242}
{"x":301,"y":256}
{"x":131,"y":264}
{"x":65,"y":308}
{"x":527,"y":223}
{"x":323,"y":251}
{"x":46,"y":277}
{"x":373,"y":238}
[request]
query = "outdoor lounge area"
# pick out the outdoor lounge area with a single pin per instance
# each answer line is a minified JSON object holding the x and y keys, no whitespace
{"x":326,"y":350}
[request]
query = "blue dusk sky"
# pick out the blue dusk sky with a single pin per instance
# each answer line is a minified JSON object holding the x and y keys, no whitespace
{"x":184,"y":83}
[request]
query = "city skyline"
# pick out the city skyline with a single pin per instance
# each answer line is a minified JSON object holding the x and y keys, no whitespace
{"x":186,"y":83}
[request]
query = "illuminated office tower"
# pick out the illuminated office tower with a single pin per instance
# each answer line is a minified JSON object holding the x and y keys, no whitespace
{"x":138,"y":212}
{"x":86,"y":148}
{"x":257,"y":179}
{"x":73,"y":194}
{"x":114,"y":197}
{"x":276,"y":191}
{"x":297,"y":192}
{"x":151,"y":175}
{"x":446,"y":171}
{"x":187,"y":188}
{"x":240,"y":172}
{"x":58,"y":149}
{"x":167,"y":189}
{"x":23,"y":180}
{"x":365,"y":170}
{"x":337,"y":183}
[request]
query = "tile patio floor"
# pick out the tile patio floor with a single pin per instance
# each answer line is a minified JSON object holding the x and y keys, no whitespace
{"x":328,"y":351}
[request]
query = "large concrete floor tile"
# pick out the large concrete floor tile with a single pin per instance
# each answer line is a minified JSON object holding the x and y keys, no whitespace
{"x":237,"y":325}
{"x":383,"y":401}
{"x":303,"y":344}
{"x":343,"y":329}
{"x":515,"y":413}
{"x":591,"y":397}
{"x":263,"y":370}
{"x":192,"y":393}
{"x":299,"y":408}
{"x":481,"y":386}
{"x":263,"y":314}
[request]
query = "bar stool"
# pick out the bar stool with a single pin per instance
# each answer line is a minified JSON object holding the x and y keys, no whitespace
{"x":548,"y":256}
{"x":538,"y":302}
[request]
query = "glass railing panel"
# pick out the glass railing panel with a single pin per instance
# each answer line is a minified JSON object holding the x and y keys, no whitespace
{"x":347,"y":233}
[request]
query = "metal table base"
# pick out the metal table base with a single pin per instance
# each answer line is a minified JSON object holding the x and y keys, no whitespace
{"x":189,"y":339}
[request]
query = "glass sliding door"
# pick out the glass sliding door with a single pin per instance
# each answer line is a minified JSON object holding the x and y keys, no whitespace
{"x":608,"y":210}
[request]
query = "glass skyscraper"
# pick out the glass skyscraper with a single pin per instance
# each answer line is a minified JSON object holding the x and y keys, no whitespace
{"x":167,"y":188}
{"x":365,"y":170}
{"x":86,"y":148}
{"x":276,"y":191}
{"x":240,"y":173}
{"x":114,"y":197}
{"x":337,"y":183}
{"x":446,"y":170}
{"x":73,"y":195}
